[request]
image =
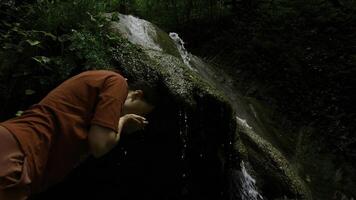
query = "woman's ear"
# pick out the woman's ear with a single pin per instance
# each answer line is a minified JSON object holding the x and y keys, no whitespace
{"x":137,"y":94}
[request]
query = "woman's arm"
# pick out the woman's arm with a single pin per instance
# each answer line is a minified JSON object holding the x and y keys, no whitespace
{"x":102,"y":140}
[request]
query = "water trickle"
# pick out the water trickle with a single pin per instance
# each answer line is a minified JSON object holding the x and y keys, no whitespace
{"x":243,"y":186}
{"x":183,"y":52}
{"x":183,"y":133}
{"x":248,"y":190}
{"x":243,"y":122}
{"x":184,"y":175}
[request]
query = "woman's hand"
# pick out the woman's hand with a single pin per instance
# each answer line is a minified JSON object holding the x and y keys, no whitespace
{"x":102,"y":139}
{"x":131,"y":123}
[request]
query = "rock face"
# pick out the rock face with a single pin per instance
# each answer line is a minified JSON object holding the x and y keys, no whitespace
{"x":192,"y":128}
{"x":209,"y":100}
{"x":154,"y":52}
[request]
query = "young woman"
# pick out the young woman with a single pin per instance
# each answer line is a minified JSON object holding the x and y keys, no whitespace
{"x":84,"y":115}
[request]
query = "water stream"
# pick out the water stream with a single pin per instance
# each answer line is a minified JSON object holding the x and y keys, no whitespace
{"x":183,"y":52}
{"x":183,"y":133}
{"x":243,"y":183}
{"x":248,"y":188}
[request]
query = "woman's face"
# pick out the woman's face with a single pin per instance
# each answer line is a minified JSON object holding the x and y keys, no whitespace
{"x":135,"y":104}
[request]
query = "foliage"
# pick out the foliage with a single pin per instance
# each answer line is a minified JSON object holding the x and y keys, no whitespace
{"x":44,"y":42}
{"x":174,"y":13}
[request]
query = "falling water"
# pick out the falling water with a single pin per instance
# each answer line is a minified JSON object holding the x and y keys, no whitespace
{"x":248,"y":189}
{"x":242,"y":181}
{"x":243,"y":122}
{"x":183,"y":52}
{"x":138,"y":31}
{"x":183,"y":133}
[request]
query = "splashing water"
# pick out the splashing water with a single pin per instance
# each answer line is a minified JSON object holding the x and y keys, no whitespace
{"x":183,"y":52}
{"x":248,"y":188}
{"x":138,"y":31}
{"x":243,"y":186}
{"x":243,"y":122}
{"x":183,"y":133}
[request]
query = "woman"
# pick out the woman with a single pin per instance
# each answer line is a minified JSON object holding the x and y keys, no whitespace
{"x":84,"y":115}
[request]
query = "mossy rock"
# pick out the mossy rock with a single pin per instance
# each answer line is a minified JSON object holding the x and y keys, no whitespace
{"x":152,"y":56}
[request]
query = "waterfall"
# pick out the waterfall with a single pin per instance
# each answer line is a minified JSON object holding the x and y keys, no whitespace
{"x":243,"y":122}
{"x":242,"y":180}
{"x":138,"y":31}
{"x":183,"y":133}
{"x":248,"y":188}
{"x":183,"y":52}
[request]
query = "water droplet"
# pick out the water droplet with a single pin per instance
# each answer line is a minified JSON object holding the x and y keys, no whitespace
{"x":180,"y":132}
{"x":184,"y":175}
{"x":125,"y":153}
{"x":201,"y":155}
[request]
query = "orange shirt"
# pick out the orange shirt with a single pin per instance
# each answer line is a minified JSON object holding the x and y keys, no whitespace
{"x":53,"y":133}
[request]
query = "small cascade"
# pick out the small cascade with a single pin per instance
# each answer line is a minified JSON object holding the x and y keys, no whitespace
{"x":248,"y":188}
{"x":244,"y":184}
{"x":183,"y":133}
{"x":183,"y":52}
{"x":138,"y":31}
{"x":243,"y":122}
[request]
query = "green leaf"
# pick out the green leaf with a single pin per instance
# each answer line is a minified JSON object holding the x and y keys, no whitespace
{"x":9,"y":46}
{"x":42,"y":59}
{"x":19,"y":113}
{"x":5,"y":23}
{"x":115,"y":16}
{"x":29,"y":92}
{"x":64,"y":37}
{"x":33,"y":42}
{"x":47,"y":34}
{"x":91,"y":17}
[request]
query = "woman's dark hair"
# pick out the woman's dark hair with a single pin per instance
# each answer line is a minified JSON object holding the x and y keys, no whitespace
{"x":145,"y":80}
{"x":150,"y":90}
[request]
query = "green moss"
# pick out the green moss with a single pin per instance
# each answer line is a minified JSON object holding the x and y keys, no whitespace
{"x":283,"y":140}
{"x":166,"y":43}
{"x":273,"y":162}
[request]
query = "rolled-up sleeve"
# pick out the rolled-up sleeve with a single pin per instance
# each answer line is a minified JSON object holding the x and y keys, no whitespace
{"x":111,"y":98}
